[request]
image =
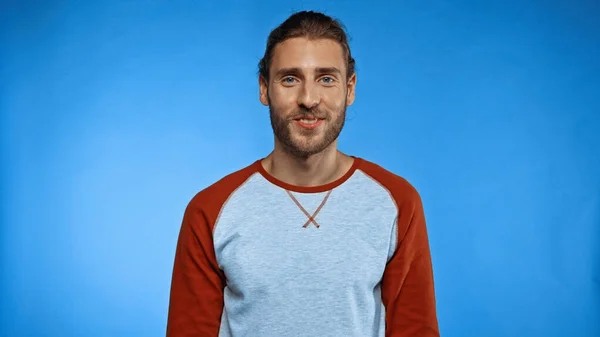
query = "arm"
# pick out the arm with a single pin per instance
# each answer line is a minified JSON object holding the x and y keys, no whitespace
{"x":196,"y":300}
{"x":408,"y":290}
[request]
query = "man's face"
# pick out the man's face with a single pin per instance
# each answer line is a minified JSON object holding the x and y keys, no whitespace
{"x":307,"y":94}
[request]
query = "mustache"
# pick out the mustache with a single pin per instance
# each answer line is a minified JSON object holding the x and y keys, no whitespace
{"x":303,"y":113}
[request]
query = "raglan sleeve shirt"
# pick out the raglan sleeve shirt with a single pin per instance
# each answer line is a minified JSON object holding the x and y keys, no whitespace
{"x":197,"y":287}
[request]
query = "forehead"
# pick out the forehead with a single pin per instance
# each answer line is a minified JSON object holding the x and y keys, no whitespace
{"x":308,"y":54}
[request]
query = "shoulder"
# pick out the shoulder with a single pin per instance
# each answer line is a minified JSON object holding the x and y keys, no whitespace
{"x":212,"y":198}
{"x":401,"y":190}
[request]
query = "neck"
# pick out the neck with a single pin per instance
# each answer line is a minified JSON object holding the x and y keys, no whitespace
{"x":318,"y":169}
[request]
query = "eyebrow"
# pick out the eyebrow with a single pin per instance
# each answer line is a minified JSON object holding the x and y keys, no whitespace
{"x":298,"y":71}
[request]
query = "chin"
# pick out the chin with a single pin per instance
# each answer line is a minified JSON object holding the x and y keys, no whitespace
{"x":304,"y":149}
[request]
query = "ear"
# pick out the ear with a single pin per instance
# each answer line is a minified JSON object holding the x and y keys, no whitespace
{"x":351,"y":87}
{"x":264,"y":93}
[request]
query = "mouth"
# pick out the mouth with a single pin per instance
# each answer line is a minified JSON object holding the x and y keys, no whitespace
{"x":309,"y":122}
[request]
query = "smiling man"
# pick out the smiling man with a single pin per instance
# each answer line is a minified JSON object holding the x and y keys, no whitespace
{"x":307,"y":241}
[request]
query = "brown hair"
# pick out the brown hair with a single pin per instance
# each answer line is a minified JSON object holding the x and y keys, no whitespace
{"x":312,"y":25}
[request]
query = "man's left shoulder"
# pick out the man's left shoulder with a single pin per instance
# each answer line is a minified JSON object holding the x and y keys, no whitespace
{"x":397,"y":185}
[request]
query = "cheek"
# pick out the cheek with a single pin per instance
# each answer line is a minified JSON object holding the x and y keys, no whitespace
{"x":334,"y":97}
{"x":283,"y":102}
{"x":334,"y":106}
{"x":281,"y":93}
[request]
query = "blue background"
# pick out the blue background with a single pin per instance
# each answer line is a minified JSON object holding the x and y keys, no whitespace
{"x":115,"y":113}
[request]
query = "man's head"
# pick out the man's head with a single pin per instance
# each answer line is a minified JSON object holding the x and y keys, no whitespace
{"x":307,"y":79}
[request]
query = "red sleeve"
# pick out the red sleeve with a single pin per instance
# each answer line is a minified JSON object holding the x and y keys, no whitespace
{"x":408,"y":290}
{"x":197,"y":285}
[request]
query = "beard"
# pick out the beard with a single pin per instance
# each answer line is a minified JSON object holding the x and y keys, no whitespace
{"x":305,"y":143}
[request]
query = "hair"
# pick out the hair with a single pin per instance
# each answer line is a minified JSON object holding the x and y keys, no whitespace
{"x":311,"y":25}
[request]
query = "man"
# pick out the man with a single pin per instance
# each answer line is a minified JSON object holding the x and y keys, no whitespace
{"x":307,"y":241}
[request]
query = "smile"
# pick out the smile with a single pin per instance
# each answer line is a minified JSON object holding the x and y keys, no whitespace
{"x":309,"y":123}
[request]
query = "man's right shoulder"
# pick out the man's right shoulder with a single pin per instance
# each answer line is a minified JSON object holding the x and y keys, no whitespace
{"x":216,"y":194}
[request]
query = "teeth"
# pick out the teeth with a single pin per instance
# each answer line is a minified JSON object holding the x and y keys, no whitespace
{"x":309,"y":121}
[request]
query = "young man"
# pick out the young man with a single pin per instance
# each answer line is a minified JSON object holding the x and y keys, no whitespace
{"x":307,"y":241}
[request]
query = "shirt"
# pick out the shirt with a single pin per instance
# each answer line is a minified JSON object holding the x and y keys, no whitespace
{"x":259,"y":257}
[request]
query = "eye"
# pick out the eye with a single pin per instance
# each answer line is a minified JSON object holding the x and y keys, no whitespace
{"x":328,"y":80}
{"x":288,"y":80}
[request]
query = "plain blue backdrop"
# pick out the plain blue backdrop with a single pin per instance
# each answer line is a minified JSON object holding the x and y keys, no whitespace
{"x":115,"y":113}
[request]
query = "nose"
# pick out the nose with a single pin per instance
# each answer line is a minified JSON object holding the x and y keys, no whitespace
{"x":309,"y":96}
